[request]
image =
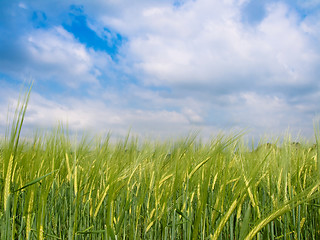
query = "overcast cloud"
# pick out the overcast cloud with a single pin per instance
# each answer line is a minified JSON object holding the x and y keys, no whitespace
{"x":163,"y":68}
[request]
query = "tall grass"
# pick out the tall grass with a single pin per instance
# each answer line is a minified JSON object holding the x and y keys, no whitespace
{"x":185,"y":189}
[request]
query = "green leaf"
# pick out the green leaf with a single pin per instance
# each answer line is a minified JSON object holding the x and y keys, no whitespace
{"x":33,"y":182}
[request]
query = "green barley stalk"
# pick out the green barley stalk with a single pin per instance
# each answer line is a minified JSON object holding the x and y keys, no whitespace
{"x":305,"y":196}
{"x":14,"y":140}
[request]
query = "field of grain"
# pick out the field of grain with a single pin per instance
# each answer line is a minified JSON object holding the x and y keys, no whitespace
{"x":51,"y":188}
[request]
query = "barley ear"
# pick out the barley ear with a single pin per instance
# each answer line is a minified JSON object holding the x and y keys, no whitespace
{"x":7,"y":185}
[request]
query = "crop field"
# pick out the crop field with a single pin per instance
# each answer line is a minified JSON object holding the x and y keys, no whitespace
{"x":52,"y":188}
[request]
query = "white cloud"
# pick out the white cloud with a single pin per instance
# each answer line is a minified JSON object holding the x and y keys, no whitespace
{"x":95,"y":117}
{"x":205,"y":42}
{"x":192,"y":115}
{"x":216,"y":70}
{"x":22,"y":5}
{"x":55,"y":53}
{"x":268,"y":114}
{"x":220,"y":49}
{"x":287,"y":51}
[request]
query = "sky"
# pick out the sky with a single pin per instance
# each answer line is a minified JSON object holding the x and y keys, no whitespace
{"x":163,"y":69}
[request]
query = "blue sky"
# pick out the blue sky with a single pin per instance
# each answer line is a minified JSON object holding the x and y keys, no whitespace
{"x":163,"y":68}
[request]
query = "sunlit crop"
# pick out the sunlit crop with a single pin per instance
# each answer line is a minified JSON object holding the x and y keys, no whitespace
{"x":51,"y":188}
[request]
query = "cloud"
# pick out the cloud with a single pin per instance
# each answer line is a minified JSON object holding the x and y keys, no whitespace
{"x":190,"y":64}
{"x":213,"y":58}
{"x":55,"y":55}
{"x":95,"y":117}
{"x":219,"y":49}
{"x":47,"y":51}
{"x":56,"y":51}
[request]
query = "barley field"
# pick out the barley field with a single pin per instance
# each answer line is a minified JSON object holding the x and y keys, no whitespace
{"x":52,"y":188}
